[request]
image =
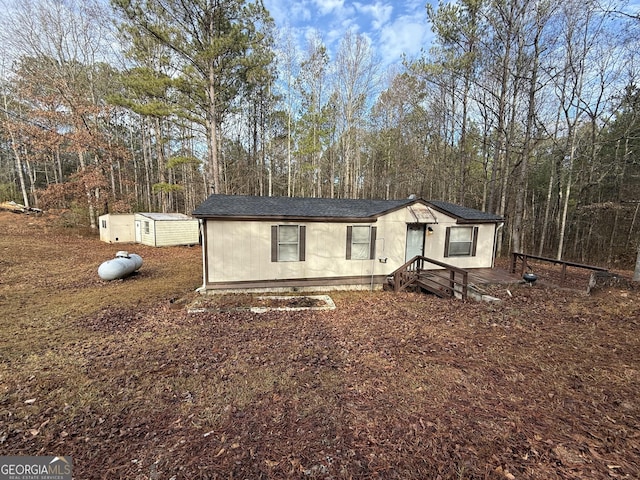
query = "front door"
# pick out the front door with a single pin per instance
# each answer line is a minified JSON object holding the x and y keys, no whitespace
{"x":138,"y":231}
{"x":415,"y":240}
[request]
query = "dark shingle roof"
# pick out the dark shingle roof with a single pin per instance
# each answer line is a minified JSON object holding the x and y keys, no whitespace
{"x":464,"y":213}
{"x":294,"y":207}
{"x":254,"y":207}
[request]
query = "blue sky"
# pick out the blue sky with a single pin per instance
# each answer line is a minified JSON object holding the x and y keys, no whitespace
{"x":394,"y":27}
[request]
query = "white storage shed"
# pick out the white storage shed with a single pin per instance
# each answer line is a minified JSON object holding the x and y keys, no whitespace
{"x":166,"y":229}
{"x":117,"y":228}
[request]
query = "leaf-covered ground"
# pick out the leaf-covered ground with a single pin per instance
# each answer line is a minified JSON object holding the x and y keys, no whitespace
{"x":544,"y":385}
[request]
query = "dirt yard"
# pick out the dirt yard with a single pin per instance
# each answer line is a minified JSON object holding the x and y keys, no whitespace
{"x":544,"y":385}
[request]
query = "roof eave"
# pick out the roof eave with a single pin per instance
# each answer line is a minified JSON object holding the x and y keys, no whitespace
{"x":463,"y":220}
{"x":285,"y":218}
{"x":475,"y":222}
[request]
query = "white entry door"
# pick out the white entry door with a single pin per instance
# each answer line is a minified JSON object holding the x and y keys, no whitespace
{"x":138,"y":231}
{"x":415,"y":241}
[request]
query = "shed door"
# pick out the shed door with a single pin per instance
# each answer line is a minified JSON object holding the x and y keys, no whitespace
{"x":138,"y":231}
{"x":415,"y":241}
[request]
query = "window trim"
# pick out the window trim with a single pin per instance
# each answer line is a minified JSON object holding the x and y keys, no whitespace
{"x":372,"y":242}
{"x":473,"y":246}
{"x":275,"y":244}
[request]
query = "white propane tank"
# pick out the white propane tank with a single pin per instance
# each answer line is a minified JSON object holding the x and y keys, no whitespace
{"x":124,"y":264}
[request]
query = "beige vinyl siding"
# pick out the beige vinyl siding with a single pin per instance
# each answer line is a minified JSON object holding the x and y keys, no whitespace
{"x":167,"y":232}
{"x":147,"y":237}
{"x":117,"y":228}
{"x":176,"y":232}
{"x":435,"y":245}
{"x":435,"y":242}
{"x":241,"y":250}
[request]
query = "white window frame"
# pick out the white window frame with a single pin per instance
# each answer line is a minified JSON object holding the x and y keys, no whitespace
{"x":453,"y":241}
{"x":278,"y":244}
{"x":284,"y":245}
{"x":355,"y":253}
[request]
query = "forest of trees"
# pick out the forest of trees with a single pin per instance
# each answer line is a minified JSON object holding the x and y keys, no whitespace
{"x":525,"y":108}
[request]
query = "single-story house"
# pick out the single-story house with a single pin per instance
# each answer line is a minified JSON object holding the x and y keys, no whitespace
{"x":290,"y":243}
{"x":166,"y":229}
{"x":116,"y":228}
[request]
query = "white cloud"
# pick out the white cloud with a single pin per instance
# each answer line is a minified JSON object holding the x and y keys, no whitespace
{"x":329,"y":6}
{"x":393,"y":27}
{"x":286,"y":12}
{"x":407,"y":34}
{"x":380,"y":13}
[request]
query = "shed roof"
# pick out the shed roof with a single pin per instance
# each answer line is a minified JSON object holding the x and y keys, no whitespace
{"x":318,"y":209}
{"x":165,"y":216}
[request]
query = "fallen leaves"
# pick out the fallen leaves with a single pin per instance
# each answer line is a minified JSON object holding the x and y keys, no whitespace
{"x":395,"y":386}
{"x":504,"y":473}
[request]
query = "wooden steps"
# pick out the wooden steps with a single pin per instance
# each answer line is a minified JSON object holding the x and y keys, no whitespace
{"x":430,"y":275}
{"x":433,"y":283}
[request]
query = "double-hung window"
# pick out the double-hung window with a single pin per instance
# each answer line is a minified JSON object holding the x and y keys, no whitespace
{"x":288,"y":243}
{"x":461,"y":241}
{"x":361,"y":242}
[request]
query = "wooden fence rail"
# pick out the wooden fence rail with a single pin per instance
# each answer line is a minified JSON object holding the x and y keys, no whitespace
{"x":524,"y":257}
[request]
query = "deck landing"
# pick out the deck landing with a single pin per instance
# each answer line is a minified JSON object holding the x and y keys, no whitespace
{"x":492,"y":276}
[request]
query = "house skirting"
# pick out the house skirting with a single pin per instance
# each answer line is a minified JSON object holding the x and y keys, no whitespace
{"x":297,"y":285}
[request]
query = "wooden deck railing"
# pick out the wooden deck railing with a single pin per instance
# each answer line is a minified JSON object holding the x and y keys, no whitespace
{"x":443,"y":281}
{"x":515,"y":256}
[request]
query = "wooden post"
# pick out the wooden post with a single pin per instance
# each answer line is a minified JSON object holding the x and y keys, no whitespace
{"x":465,"y":281}
{"x":452,"y":282}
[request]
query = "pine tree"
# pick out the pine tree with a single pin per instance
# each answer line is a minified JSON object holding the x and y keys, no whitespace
{"x":215,"y":45}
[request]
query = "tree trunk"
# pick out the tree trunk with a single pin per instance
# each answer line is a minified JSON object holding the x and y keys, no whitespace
{"x":19,"y":169}
{"x":528,"y":148}
{"x":89,"y":194}
{"x":547,"y":209}
{"x":567,"y":194}
{"x":147,"y":164}
{"x":214,"y":166}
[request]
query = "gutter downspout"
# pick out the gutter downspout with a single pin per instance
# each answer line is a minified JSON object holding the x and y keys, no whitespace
{"x":376,"y":259}
{"x":203,"y":237}
{"x":373,"y":266}
{"x":495,"y":244}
